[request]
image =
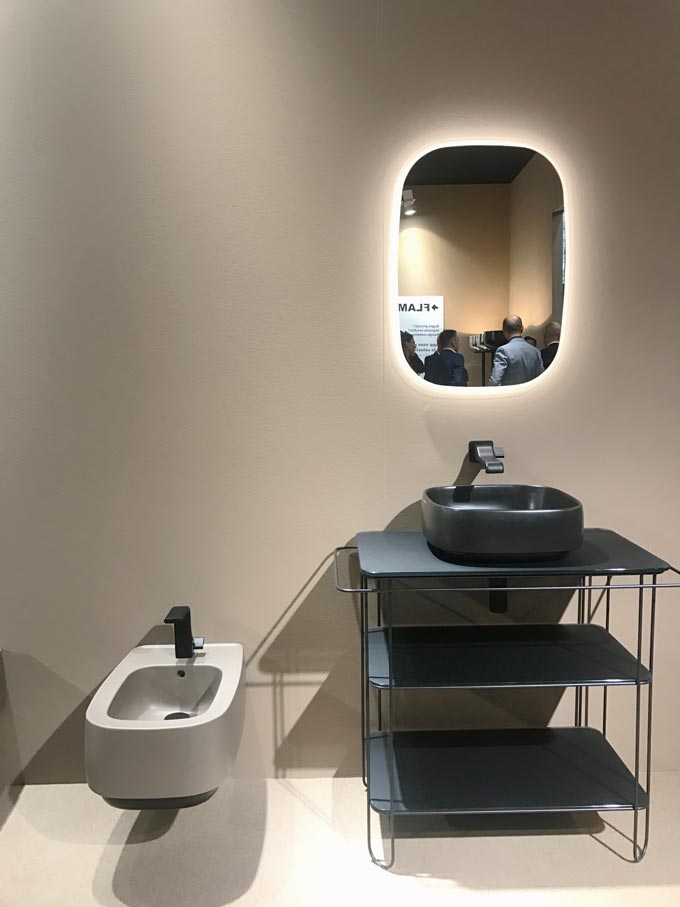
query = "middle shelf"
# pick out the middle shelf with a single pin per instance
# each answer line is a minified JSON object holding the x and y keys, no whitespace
{"x":510,"y":655}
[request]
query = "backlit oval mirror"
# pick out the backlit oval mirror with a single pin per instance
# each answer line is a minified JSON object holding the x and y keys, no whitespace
{"x":481,"y":266}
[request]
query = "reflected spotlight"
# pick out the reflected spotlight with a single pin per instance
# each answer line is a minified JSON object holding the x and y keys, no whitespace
{"x":408,"y":202}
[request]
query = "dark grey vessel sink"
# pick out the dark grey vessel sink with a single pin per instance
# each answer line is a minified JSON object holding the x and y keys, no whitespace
{"x":501,"y":522}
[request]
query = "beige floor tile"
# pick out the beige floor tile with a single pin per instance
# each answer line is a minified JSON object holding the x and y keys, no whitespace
{"x":298,"y":843}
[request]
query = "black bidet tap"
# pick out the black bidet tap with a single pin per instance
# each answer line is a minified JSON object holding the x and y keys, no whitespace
{"x":185,"y":641}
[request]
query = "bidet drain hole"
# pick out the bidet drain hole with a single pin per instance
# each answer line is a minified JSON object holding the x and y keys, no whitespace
{"x":181,"y":673}
{"x":173,"y":716}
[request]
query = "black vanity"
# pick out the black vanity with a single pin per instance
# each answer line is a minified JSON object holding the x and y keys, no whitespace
{"x":517,"y":770}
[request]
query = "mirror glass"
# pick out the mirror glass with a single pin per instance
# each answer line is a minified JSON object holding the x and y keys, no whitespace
{"x":481,"y":266}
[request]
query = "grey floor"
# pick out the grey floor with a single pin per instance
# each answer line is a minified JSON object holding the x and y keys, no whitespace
{"x":302,"y":842}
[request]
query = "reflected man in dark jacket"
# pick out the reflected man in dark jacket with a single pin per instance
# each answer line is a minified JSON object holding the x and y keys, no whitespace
{"x":446,"y":366}
{"x":551,"y":342}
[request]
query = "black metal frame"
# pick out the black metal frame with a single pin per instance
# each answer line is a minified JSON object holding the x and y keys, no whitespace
{"x":383,"y":590}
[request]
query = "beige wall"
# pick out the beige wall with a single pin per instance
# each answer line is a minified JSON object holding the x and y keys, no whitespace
{"x":534,"y":195}
{"x":199,"y":390}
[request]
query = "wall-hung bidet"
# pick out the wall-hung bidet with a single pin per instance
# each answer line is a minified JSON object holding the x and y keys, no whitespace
{"x":163,"y":731}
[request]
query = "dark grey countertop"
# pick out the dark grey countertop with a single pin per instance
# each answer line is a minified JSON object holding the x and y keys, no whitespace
{"x":407,"y":554}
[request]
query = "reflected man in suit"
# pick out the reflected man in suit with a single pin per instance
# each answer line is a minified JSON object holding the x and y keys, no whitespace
{"x":551,"y":342}
{"x":447,"y":365}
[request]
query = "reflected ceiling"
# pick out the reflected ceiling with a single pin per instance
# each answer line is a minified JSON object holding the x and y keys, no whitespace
{"x":469,"y":164}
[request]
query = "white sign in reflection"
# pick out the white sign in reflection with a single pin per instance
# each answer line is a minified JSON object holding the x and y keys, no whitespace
{"x":422,"y":316}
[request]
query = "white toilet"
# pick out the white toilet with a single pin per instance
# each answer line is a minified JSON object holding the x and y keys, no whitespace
{"x":163,"y":731}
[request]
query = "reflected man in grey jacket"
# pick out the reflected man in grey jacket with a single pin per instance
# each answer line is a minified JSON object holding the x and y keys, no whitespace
{"x":516,"y":361}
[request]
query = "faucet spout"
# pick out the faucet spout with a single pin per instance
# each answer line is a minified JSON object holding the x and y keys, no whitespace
{"x":185,"y":643}
{"x":487,"y":455}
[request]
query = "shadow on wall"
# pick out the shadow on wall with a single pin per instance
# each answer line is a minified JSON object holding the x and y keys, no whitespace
{"x":61,"y":759}
{"x":34,"y":698}
{"x":322,"y":637}
{"x":10,"y":763}
{"x":205,"y":856}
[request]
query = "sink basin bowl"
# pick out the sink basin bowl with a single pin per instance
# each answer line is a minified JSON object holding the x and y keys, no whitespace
{"x":501,"y":522}
{"x":157,"y":692}
{"x":163,"y":732}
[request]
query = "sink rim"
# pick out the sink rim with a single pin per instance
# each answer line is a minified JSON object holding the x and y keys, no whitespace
{"x":573,"y":503}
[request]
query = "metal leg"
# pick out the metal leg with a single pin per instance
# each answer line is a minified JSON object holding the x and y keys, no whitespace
{"x":367,"y":730}
{"x":367,"y":740}
{"x":384,"y":601}
{"x":578,"y":691}
{"x":640,"y":850}
{"x":363,"y":600}
{"x":589,"y":613}
{"x":638,"y":695}
{"x":379,"y":607}
{"x":606,"y":626}
{"x":650,"y":665}
{"x":390,"y":731}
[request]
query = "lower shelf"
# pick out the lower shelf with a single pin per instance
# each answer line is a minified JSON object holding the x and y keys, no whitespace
{"x":501,"y":771}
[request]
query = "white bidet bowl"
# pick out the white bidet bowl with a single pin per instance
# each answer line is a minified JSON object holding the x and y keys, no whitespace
{"x":163,"y":731}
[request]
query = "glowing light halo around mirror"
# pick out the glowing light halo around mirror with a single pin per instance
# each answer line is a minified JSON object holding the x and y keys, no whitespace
{"x":393,"y":219}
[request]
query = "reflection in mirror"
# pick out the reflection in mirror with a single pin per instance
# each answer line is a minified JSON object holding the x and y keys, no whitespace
{"x":481,"y":265}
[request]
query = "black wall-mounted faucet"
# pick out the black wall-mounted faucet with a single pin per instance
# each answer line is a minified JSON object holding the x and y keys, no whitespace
{"x":487,"y":455}
{"x":185,"y":642}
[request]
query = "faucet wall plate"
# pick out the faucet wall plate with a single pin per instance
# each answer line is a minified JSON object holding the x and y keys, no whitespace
{"x":165,"y":731}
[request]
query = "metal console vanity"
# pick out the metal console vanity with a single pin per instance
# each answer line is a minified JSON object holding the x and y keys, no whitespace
{"x":525,"y":770}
